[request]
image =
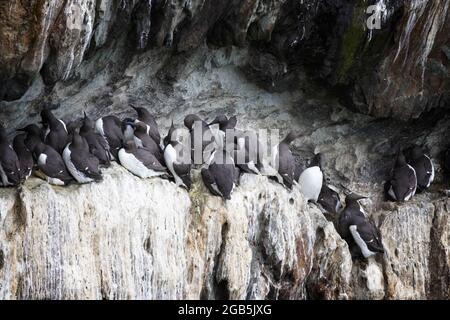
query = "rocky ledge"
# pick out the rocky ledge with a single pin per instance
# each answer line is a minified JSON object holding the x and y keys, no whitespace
{"x":127,"y":238}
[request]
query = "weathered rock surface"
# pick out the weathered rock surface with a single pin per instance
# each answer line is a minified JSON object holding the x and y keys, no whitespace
{"x":400,"y":70}
{"x":127,"y":238}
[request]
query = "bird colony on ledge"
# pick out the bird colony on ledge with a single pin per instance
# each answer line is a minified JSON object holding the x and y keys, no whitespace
{"x":62,"y":157}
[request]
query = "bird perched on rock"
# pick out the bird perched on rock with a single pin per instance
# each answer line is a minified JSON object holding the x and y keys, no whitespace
{"x":140,"y":161}
{"x":56,"y":134}
{"x":25,"y":156}
{"x":146,"y":118}
{"x":283,"y":159}
{"x":403,"y":184}
{"x":10,"y":173}
{"x":82,"y":165}
{"x":246,"y":152}
{"x":110,"y":128}
{"x":96,"y":142}
{"x":310,"y":181}
{"x":423,"y":166}
{"x":202,"y":139}
{"x":355,"y":228}
{"x":219,"y":177}
{"x":180,"y":171}
{"x":143,"y":140}
{"x":329,"y":199}
{"x":51,"y":165}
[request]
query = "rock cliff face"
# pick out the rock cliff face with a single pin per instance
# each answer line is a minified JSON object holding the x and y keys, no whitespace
{"x":127,"y":238}
{"x":310,"y":65}
{"x":398,"y":67}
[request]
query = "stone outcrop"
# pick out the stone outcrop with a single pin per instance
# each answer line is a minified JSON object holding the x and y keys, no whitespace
{"x":127,"y":238}
{"x":400,"y":70}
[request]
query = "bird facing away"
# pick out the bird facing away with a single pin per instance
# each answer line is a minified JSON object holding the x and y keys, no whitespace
{"x":148,"y":119}
{"x":82,"y":165}
{"x":283,"y":157}
{"x":25,"y":156}
{"x":10,"y":173}
{"x":403,"y":184}
{"x":424,"y":167}
{"x":56,"y":134}
{"x":310,"y":181}
{"x":96,"y":142}
{"x":180,"y":171}
{"x":110,"y":128}
{"x":51,"y":165}
{"x":219,"y":177}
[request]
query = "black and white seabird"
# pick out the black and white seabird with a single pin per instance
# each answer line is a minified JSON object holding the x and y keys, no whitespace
{"x":140,"y":161}
{"x":110,"y":128}
{"x":283,"y":159}
{"x":423,"y":165}
{"x":329,"y":199}
{"x":179,"y":170}
{"x":201,"y":137}
{"x":10,"y":173}
{"x":219,"y":177}
{"x":356,"y":228}
{"x":82,"y":165}
{"x":311,"y":180}
{"x":143,"y":140}
{"x":25,"y":156}
{"x":56,"y":134}
{"x":97,"y":143}
{"x":148,"y":119}
{"x":246,"y":152}
{"x":51,"y":165}
{"x":403,"y":184}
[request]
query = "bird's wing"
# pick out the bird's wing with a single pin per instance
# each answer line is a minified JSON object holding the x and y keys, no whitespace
{"x":87,"y":164}
{"x":370,"y":235}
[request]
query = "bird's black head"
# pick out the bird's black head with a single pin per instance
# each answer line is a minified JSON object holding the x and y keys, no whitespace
{"x":143,"y":114}
{"x":317,"y":161}
{"x":190,"y":120}
{"x":47,"y":117}
{"x":88,"y":124}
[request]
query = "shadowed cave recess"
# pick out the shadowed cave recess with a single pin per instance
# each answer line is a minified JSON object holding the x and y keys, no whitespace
{"x":355,"y":93}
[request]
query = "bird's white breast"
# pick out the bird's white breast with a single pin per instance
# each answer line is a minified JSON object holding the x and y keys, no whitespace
{"x":310,"y":183}
{"x":360,"y":242}
{"x":79,"y":176}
